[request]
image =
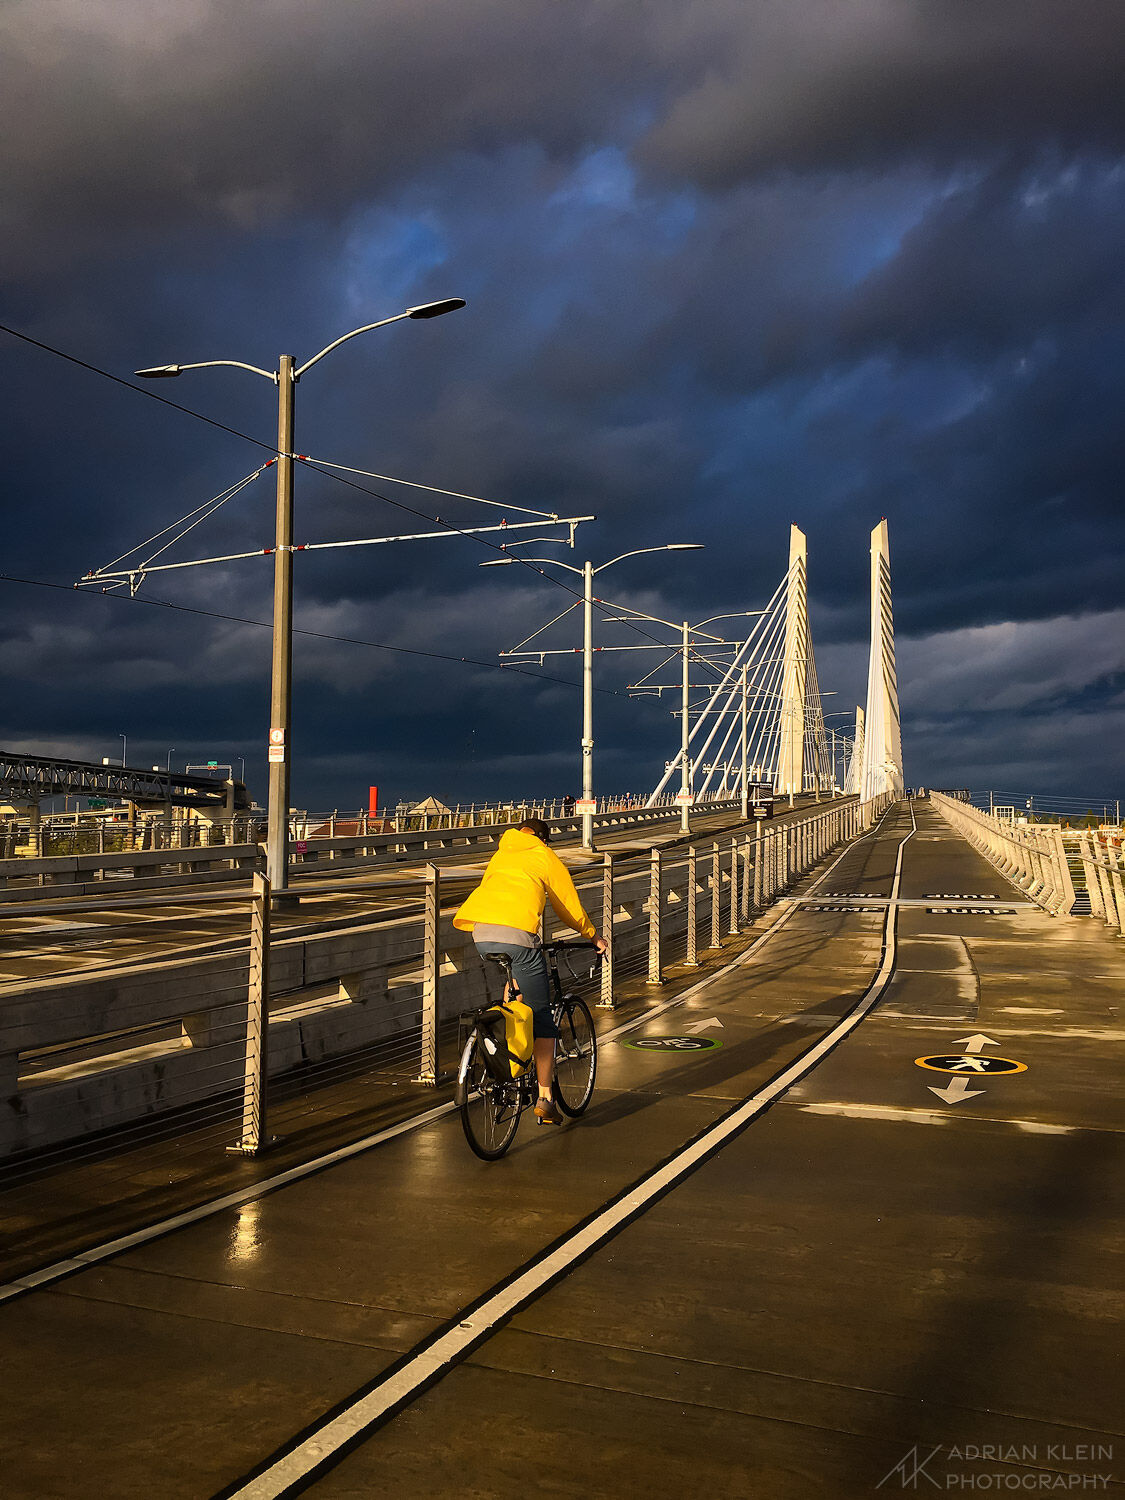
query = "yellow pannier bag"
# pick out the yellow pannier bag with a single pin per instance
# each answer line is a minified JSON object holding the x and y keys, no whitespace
{"x":508,"y":1037}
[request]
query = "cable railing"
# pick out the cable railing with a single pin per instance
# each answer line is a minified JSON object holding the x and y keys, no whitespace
{"x":344,"y":844}
{"x":57,"y":834}
{"x":200,"y":1038}
{"x":1032,"y":856}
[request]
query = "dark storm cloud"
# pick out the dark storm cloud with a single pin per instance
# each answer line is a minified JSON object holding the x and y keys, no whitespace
{"x":1007,"y":261}
{"x":149,"y":119}
{"x":841,"y":84}
{"x":727,"y":266}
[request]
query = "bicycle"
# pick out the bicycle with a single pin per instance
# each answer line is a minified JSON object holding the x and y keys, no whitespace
{"x":491,"y":1107}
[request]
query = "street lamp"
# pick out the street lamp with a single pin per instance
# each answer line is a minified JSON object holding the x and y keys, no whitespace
{"x":168,"y":760}
{"x":832,"y":732}
{"x":285,"y":377}
{"x":124,"y":746}
{"x":586,"y":573}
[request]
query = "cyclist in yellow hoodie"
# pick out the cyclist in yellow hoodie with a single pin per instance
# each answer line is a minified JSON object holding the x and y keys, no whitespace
{"x":504,"y":913}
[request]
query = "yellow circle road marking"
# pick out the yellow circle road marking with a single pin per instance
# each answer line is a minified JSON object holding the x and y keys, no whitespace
{"x":970,"y":1065}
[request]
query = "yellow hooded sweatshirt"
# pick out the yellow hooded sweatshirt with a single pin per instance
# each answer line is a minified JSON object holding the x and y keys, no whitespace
{"x":522,"y":876}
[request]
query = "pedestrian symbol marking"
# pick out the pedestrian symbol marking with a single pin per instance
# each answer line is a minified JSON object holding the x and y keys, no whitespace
{"x":674,"y":1043}
{"x":970,"y":1064}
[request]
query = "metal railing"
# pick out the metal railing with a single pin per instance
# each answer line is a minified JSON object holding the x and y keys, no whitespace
{"x":164,"y":862}
{"x":232,"y":1041}
{"x":1096,"y":859}
{"x":1032,"y":856}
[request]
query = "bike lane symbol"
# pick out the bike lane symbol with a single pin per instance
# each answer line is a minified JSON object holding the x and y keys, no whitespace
{"x":673,"y":1044}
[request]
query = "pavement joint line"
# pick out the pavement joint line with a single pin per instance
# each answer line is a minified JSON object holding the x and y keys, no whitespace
{"x":35,"y":1280}
{"x":325,"y":1443}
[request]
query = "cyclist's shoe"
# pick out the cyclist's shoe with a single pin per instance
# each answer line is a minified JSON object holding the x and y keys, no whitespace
{"x":547,"y":1112}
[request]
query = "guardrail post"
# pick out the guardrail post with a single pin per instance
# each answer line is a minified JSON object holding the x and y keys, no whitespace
{"x":1094,"y":887}
{"x":655,"y":919}
{"x":758,"y":866}
{"x":1105,"y":869}
{"x":607,"y":1002}
{"x":716,"y":895}
{"x":1110,"y":874}
{"x":746,"y":877}
{"x":1113,"y":858}
{"x":1065,"y":883}
{"x":256,"y":1057}
{"x":733,"y":884}
{"x":431,"y":970}
{"x":691,"y":957}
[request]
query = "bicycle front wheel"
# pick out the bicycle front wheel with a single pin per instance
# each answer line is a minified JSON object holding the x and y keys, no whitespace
{"x":490,"y":1110}
{"x":576,"y":1057}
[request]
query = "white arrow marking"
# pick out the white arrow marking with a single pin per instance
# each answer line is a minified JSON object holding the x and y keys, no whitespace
{"x":698,"y":1026}
{"x":955,"y":1092}
{"x":976,"y":1043}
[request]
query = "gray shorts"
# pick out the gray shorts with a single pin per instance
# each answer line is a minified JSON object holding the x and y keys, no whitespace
{"x":529,"y":970}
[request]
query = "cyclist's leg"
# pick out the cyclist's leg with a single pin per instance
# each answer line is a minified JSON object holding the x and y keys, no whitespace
{"x":529,"y":969}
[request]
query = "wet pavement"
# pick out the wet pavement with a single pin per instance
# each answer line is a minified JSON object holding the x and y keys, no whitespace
{"x":861,"y":1287}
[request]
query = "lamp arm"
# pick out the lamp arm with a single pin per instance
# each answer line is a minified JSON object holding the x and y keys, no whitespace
{"x":343,"y":339}
{"x":636,"y":553}
{"x":206,"y":364}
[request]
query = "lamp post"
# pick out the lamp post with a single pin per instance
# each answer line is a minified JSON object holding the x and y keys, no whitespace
{"x":832,"y":732}
{"x":285,"y":377}
{"x":168,"y":760}
{"x":586,"y":572}
{"x":124,"y":747}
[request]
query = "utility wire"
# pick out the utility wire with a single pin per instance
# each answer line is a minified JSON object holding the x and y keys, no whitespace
{"x":309,"y":463}
{"x":141,"y":390}
{"x":322,"y":635}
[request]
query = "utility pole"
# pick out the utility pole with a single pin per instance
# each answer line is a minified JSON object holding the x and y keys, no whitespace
{"x":745,"y":786}
{"x":281,"y":685}
{"x":685,"y":772}
{"x":588,"y":704}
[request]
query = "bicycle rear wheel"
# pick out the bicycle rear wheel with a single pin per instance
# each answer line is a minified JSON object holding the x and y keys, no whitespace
{"x":576,"y":1057}
{"x":490,"y":1110}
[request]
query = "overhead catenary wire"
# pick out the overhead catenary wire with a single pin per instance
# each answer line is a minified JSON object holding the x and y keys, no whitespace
{"x":203,"y":511}
{"x":324,"y":635}
{"x":434,"y":489}
{"x":271,"y":448}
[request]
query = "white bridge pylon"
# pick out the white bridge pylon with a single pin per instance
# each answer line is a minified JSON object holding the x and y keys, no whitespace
{"x":881,"y":764}
{"x":773,"y":673}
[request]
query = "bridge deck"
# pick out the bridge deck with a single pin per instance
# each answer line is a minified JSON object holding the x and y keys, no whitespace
{"x":850,"y":1280}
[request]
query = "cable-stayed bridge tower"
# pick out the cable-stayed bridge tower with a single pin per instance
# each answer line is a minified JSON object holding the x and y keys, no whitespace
{"x":761,"y":707}
{"x":791,"y":759}
{"x":881,"y":766}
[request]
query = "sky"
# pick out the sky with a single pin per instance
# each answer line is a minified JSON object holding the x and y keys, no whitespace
{"x":728,"y":265}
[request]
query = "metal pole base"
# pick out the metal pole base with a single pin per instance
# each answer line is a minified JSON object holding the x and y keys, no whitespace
{"x":249,"y":1148}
